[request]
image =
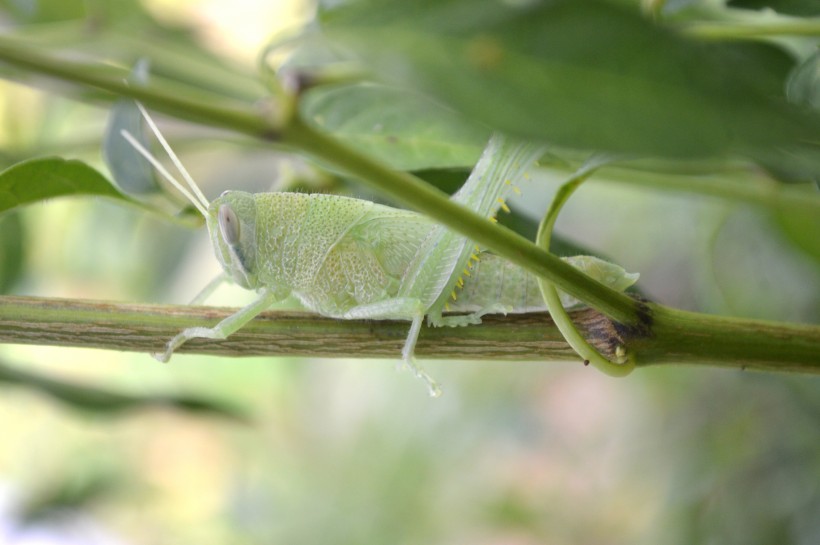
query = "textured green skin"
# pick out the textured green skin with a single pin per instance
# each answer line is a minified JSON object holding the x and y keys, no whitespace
{"x":497,"y":286}
{"x":348,"y":258}
{"x":335,"y":254}
{"x":358,"y":264}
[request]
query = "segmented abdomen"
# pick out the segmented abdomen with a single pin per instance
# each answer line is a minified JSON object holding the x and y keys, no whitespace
{"x":494,"y":283}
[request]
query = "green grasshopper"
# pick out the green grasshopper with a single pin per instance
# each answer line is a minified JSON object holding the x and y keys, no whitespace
{"x":354,"y":259}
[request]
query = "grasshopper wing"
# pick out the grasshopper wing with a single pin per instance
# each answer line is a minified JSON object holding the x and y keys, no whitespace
{"x":367,"y":264}
{"x":393,"y":237}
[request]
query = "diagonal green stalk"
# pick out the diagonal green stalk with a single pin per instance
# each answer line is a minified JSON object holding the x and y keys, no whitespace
{"x":180,"y":101}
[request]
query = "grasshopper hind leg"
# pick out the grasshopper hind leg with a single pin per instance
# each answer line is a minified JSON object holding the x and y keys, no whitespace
{"x":407,"y":356}
{"x":402,"y":308}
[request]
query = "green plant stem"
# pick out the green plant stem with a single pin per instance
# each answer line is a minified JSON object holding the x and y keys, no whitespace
{"x":740,"y":31}
{"x":759,"y":191}
{"x":180,"y":101}
{"x":681,"y":337}
{"x":167,"y":55}
{"x":147,"y":328}
{"x":678,"y":337}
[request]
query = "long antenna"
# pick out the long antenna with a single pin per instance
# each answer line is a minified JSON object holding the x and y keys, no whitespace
{"x":177,"y":163}
{"x":200,"y":205}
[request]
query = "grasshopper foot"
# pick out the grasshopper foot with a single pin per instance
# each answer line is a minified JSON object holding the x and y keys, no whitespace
{"x":408,"y":359}
{"x":182,"y":338}
{"x":162,"y":357}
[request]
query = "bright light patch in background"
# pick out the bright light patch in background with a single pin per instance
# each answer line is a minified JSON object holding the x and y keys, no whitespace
{"x":238,"y":29}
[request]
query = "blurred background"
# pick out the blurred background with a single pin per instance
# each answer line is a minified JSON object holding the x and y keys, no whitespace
{"x":349,"y":451}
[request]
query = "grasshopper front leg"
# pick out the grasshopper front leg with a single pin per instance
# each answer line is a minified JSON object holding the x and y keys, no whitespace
{"x":223,"y":329}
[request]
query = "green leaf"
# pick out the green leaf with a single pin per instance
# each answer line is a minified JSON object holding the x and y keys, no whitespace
{"x":132,"y":173}
{"x":802,"y":223}
{"x":584,"y":75}
{"x":799,"y":164}
{"x":40,"y":179}
{"x":403,"y":129}
{"x":803,"y":86}
{"x":448,"y":180}
{"x":12,"y":250}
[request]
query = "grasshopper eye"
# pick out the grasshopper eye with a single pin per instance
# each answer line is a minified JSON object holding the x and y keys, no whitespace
{"x":228,"y":225}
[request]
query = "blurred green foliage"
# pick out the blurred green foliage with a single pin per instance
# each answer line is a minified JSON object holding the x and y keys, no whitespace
{"x":524,"y":70}
{"x":401,"y":128}
{"x":348,"y":451}
{"x":108,"y":403}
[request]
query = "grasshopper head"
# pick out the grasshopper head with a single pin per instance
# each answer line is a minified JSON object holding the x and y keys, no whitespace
{"x":232,"y":225}
{"x":231,"y":218}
